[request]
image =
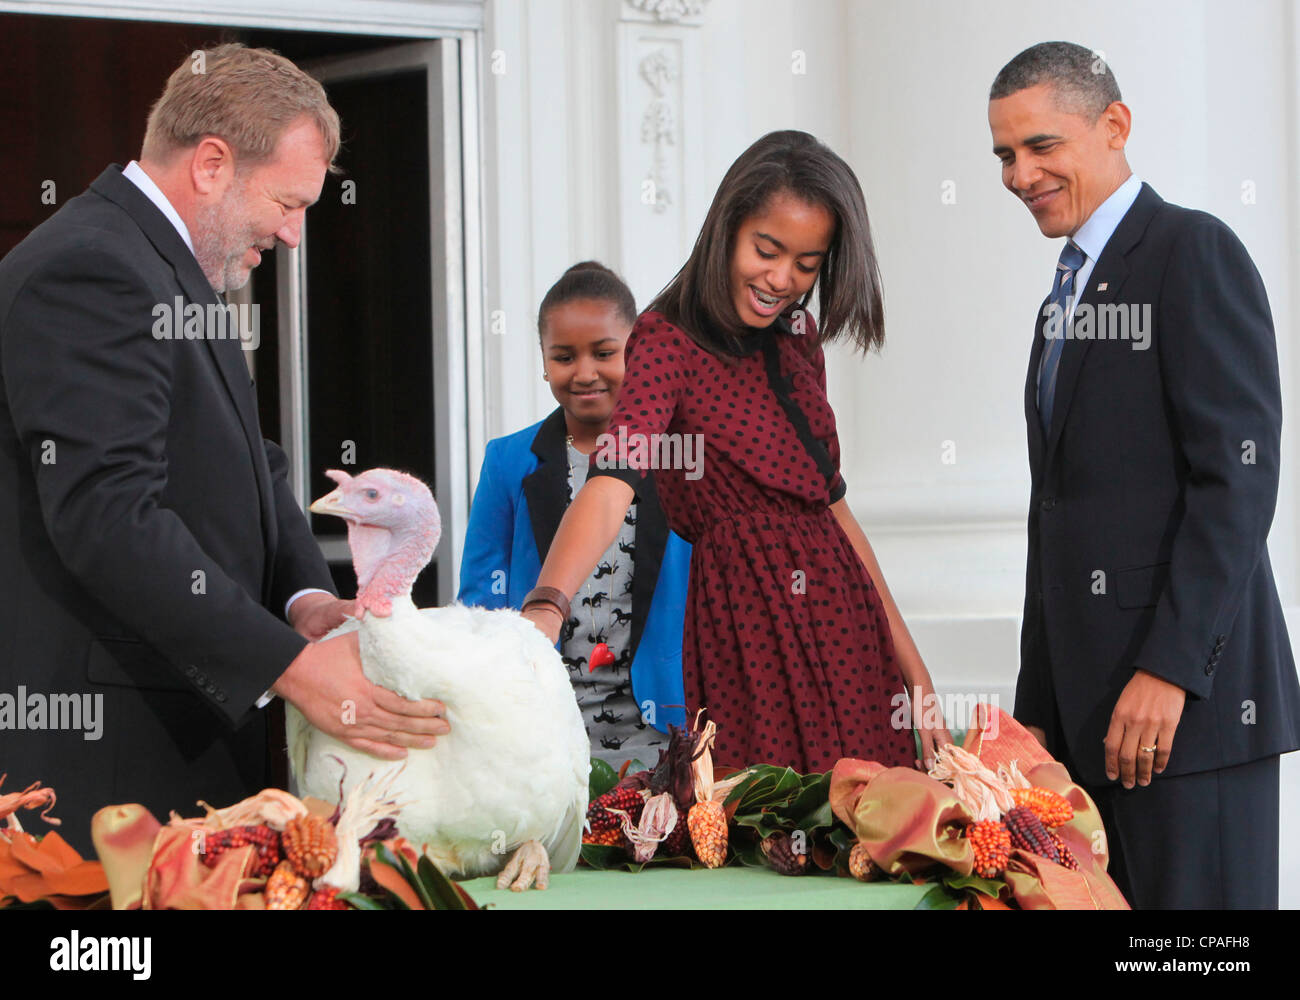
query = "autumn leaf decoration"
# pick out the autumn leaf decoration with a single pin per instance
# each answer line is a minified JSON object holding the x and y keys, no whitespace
{"x":46,"y":869}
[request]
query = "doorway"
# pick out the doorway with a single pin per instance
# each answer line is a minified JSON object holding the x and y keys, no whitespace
{"x":364,"y":329}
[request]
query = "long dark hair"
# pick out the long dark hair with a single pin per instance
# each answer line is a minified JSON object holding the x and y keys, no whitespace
{"x":849,"y":303}
{"x":588,"y":279}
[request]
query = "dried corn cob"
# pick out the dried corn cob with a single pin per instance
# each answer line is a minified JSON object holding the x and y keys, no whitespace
{"x":707,"y":822}
{"x":779,"y":849}
{"x":1050,"y":807}
{"x":628,"y":800}
{"x":264,"y":840}
{"x":326,"y":899}
{"x":991,"y":842}
{"x":311,"y":844}
{"x":607,"y":838}
{"x":861,"y":867}
{"x":1029,"y":834}
{"x":286,"y":889}
{"x":1067,"y":856}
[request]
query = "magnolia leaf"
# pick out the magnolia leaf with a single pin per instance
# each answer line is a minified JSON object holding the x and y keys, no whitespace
{"x":764,"y":824}
{"x":390,"y":878}
{"x":820,"y":817}
{"x":603,"y":857}
{"x":398,"y":860}
{"x":813,"y":788}
{"x":359,"y":902}
{"x":940,"y":898}
{"x":988,"y":886}
{"x":439,"y":888}
{"x":601,"y":780}
{"x":843,"y":841}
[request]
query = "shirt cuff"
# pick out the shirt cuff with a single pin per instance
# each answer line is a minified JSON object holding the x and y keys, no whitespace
{"x":302,"y":593}
{"x":265,"y":700}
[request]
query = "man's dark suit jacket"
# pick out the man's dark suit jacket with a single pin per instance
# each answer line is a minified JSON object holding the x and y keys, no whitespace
{"x":145,"y":526}
{"x":1152,"y":497}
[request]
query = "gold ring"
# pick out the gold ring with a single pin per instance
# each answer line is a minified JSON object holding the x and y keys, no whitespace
{"x":1147,"y":749}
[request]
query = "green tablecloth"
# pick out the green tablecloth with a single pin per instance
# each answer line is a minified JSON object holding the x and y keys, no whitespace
{"x":731,"y":888}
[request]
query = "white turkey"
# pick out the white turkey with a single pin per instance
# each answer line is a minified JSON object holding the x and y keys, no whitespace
{"x":511,"y":776}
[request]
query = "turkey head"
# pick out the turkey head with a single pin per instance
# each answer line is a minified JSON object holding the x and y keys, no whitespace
{"x":393,"y":528}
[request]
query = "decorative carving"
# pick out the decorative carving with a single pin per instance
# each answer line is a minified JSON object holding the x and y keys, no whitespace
{"x":658,"y":122}
{"x":672,"y":11}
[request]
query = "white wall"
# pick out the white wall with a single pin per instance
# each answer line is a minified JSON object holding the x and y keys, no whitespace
{"x":900,"y":90}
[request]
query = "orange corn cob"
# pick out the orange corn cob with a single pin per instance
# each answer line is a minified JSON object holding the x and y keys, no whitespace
{"x":286,"y":889}
{"x":1051,"y":809}
{"x":310,"y":843}
{"x":991,"y":842}
{"x":707,"y":822}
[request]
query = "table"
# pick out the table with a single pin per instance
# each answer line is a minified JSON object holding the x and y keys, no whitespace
{"x":730,"y":888}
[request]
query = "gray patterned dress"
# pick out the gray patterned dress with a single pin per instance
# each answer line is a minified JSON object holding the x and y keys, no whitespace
{"x":602,"y":611}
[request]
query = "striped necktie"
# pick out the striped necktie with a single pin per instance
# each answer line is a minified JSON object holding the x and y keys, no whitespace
{"x":1067,"y":267}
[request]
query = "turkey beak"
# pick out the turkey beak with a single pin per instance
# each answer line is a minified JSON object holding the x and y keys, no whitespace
{"x":331,"y":503}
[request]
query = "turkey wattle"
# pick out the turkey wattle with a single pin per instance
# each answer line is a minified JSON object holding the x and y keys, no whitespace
{"x":511,"y":776}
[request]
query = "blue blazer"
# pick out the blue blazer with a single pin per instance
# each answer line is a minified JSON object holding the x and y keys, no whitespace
{"x":516,"y":510}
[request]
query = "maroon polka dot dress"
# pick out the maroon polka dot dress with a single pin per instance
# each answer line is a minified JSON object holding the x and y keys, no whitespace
{"x":786,"y":642}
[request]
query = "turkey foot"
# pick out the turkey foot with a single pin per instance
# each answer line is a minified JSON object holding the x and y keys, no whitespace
{"x":526,"y":866}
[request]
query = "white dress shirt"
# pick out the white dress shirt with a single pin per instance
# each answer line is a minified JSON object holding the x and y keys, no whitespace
{"x":1094,"y":234}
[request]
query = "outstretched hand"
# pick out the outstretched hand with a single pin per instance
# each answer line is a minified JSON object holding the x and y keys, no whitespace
{"x":314,"y":616}
{"x":548,"y":619}
{"x":928,"y":721}
{"x":325,"y":683}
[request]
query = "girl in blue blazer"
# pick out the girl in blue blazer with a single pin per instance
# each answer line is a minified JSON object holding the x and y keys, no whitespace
{"x":623,"y":641}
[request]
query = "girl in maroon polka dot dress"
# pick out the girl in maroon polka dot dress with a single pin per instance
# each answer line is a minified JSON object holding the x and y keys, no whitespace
{"x":792,"y":641}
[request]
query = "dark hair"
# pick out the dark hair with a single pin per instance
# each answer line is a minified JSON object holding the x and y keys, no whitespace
{"x":849,"y":302}
{"x":1083,"y":82}
{"x":588,"y":279}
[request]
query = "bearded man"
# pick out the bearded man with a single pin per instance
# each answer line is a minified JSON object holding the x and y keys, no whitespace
{"x":160,"y":579}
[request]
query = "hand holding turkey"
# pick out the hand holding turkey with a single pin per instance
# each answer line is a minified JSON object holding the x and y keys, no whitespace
{"x":326,"y":684}
{"x":546,"y":617}
{"x":314,"y":616}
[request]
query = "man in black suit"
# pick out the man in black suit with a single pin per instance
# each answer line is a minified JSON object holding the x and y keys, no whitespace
{"x":160,"y":579}
{"x":1154,"y":416}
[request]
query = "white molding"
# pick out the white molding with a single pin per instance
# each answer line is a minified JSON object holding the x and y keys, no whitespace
{"x":473,"y":185}
{"x":413,"y":18}
{"x":446,"y":186}
{"x":654,"y":238}
{"x":683,"y":12}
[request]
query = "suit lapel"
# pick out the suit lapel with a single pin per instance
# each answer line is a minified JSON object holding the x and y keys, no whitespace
{"x":546,"y":487}
{"x":1033,"y":424}
{"x":226,"y":354}
{"x":1109,"y":275}
{"x":167,"y":241}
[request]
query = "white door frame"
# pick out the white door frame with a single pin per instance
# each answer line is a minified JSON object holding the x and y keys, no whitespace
{"x":403,"y":18}
{"x":456,"y":306}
